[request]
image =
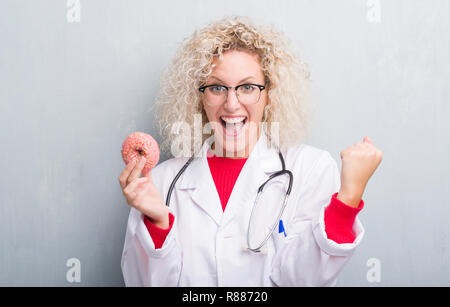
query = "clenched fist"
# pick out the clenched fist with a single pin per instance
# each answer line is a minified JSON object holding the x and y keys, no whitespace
{"x":359,"y":162}
{"x":142,"y":194}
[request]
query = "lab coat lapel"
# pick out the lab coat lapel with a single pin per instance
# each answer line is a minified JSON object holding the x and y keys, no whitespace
{"x":198,"y":182}
{"x":262,"y":162}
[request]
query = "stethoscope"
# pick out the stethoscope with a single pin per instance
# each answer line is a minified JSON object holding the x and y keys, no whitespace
{"x":283,"y":171}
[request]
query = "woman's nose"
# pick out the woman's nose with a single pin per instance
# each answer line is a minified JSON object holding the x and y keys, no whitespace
{"x":232,"y":102}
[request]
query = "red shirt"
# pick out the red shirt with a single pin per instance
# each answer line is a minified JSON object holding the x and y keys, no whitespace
{"x":339,"y":217}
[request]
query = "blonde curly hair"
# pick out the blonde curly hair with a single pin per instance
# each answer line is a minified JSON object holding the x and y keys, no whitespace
{"x":286,"y":81}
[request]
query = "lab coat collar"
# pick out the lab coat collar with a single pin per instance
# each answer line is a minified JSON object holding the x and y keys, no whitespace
{"x":263,"y":161}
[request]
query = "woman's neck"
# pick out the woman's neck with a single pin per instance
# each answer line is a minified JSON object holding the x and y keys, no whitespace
{"x":243,"y":154}
{"x":229,"y":154}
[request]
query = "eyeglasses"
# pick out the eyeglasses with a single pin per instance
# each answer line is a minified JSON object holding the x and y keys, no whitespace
{"x":216,"y":94}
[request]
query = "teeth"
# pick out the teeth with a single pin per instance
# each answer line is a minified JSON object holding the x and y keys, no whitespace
{"x":234,"y":120}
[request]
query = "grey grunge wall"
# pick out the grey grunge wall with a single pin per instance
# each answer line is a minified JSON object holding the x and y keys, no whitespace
{"x":76,"y":77}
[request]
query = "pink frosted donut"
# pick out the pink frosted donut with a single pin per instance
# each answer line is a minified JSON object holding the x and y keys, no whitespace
{"x":139,"y":144}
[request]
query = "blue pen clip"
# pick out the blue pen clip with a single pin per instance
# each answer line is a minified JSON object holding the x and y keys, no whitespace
{"x":281,"y":228}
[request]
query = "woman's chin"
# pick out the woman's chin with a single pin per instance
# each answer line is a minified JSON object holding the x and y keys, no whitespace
{"x":235,"y":146}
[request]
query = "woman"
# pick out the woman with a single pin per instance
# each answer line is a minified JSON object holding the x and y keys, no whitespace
{"x":252,"y":94}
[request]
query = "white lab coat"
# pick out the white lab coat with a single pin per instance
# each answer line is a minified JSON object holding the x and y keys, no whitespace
{"x":206,"y":246}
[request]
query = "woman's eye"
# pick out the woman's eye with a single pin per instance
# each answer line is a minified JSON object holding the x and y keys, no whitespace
{"x":217,"y":89}
{"x":248,"y":88}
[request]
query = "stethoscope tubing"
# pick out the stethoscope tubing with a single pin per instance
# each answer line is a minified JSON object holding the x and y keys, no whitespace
{"x":169,"y":193}
{"x":285,"y":201}
{"x":260,"y":189}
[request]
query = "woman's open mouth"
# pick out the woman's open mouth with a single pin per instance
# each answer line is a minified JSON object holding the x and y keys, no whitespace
{"x":233,"y":126}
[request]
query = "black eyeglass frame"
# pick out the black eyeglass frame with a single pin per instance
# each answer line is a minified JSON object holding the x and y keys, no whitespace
{"x":261,"y":87}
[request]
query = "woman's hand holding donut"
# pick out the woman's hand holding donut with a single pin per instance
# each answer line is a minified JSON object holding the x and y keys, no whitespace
{"x":142,"y":194}
{"x":359,"y":162}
